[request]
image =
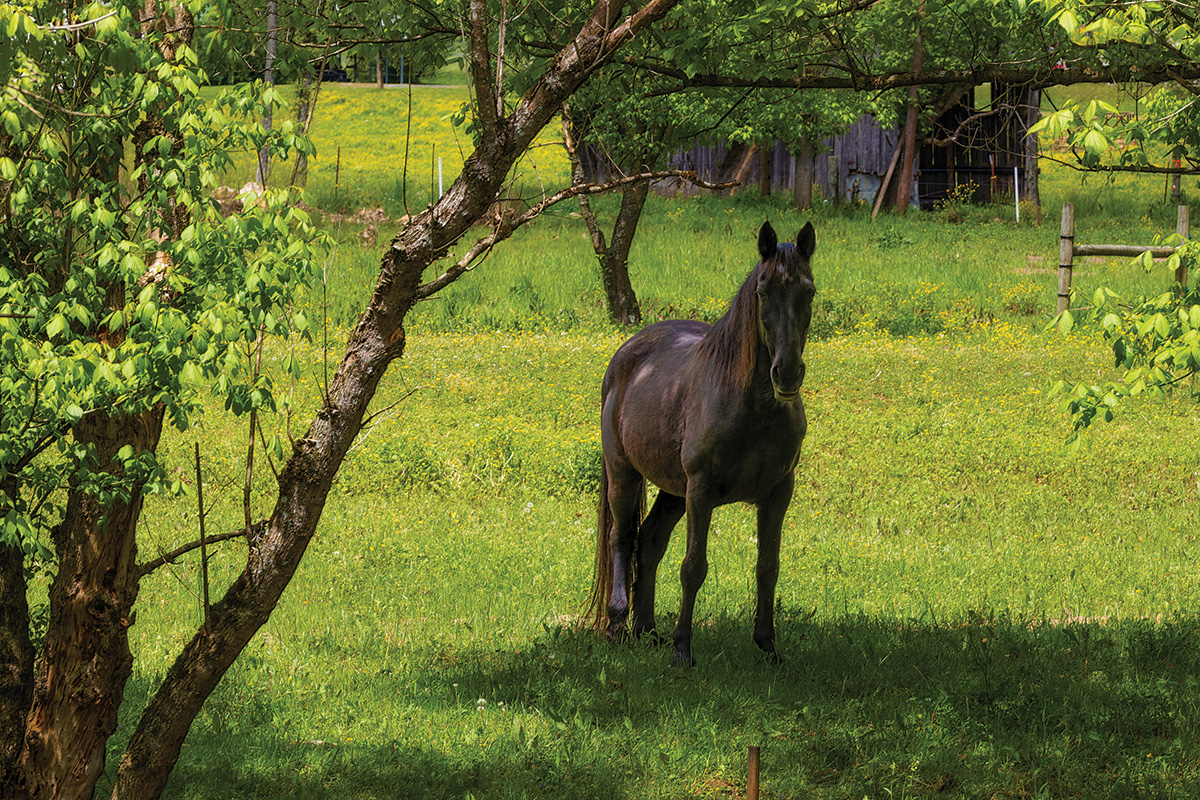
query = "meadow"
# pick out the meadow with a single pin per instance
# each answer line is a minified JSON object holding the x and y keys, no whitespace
{"x":966,"y":609}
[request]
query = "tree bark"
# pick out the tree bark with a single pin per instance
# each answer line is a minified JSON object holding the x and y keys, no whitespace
{"x":378,"y":338}
{"x":16,"y":666}
{"x":80,"y":677}
{"x":623,"y":307}
{"x":1031,"y":191}
{"x":904,"y":188}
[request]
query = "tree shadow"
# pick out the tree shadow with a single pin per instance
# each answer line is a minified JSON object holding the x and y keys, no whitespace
{"x":862,"y":706}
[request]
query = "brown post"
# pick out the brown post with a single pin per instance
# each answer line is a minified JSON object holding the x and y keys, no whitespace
{"x":1183,"y":228}
{"x":1066,"y":255}
{"x":802,"y":176}
{"x":910,"y":126}
{"x":752,"y":775}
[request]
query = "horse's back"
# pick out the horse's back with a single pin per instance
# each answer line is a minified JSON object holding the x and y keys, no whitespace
{"x":665,"y":342}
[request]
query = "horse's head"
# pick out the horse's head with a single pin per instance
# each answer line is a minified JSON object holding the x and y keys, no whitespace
{"x":785,"y":294}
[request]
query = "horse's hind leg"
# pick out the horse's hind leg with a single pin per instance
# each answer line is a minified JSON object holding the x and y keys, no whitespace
{"x":652,"y":542}
{"x":626,"y":499}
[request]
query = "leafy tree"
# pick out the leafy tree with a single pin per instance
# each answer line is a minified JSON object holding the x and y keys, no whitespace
{"x":1154,"y":339}
{"x":1153,"y":43}
{"x":124,"y":293}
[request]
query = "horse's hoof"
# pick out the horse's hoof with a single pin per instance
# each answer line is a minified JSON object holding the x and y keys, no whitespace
{"x":683,"y":659}
{"x":768,"y":648}
{"x":616,"y":634}
{"x":650,"y":636}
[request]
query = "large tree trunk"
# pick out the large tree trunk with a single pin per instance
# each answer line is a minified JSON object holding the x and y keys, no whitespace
{"x":275,"y":553}
{"x":80,"y":677}
{"x":16,"y":665}
{"x":1031,"y":191}
{"x":904,"y":187}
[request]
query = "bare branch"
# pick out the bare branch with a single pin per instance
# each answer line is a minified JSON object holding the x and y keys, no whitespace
{"x":507,"y":226}
{"x":169,"y":558}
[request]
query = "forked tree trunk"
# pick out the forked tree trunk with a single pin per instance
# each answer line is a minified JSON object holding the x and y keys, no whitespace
{"x":623,"y":306}
{"x":80,"y":678}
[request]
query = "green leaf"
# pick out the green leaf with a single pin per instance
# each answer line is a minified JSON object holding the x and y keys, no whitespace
{"x":1095,"y":142}
{"x":56,"y":326}
{"x":1066,"y":322}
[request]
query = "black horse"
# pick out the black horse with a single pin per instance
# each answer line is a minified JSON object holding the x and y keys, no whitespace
{"x":711,"y":414}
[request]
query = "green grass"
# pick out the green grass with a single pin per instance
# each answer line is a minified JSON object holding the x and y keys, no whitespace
{"x":371,"y":151}
{"x":965,"y":610}
{"x":962,"y":605}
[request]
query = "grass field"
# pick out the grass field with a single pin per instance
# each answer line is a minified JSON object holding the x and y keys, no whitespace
{"x":965,"y":610}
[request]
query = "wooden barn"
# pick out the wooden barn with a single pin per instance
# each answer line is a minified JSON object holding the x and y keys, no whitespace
{"x":983,"y":150}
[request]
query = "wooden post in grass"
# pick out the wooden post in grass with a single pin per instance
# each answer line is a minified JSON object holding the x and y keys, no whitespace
{"x":1066,"y":255}
{"x":1067,"y":250}
{"x":752,"y":775}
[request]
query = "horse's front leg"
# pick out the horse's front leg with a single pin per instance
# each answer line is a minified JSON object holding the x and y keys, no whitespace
{"x":771,"y":511}
{"x":692,"y":571}
{"x":652,"y":542}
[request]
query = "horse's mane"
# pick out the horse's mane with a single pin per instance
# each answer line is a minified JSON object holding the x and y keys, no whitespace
{"x":731,"y":346}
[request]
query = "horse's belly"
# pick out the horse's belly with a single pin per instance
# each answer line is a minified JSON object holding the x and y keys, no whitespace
{"x":652,"y":443}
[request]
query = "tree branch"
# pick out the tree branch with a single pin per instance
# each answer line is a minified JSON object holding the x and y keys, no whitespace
{"x":991,"y":73}
{"x":169,"y":558}
{"x":507,"y":226}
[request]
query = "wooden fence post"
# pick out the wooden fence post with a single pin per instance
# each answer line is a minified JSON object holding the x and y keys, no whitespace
{"x":1066,"y":255}
{"x":752,"y":774}
{"x":1183,"y":228}
{"x":1067,"y":250}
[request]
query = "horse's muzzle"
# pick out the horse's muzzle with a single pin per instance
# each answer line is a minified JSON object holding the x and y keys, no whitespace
{"x":787,"y":391}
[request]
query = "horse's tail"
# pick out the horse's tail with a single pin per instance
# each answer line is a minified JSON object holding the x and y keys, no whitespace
{"x":602,"y":579}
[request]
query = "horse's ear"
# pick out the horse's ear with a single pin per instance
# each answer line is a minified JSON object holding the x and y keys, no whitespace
{"x":768,"y":242}
{"x":806,"y":241}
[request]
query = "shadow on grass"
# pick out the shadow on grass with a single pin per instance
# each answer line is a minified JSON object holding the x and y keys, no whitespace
{"x":861,"y":707}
